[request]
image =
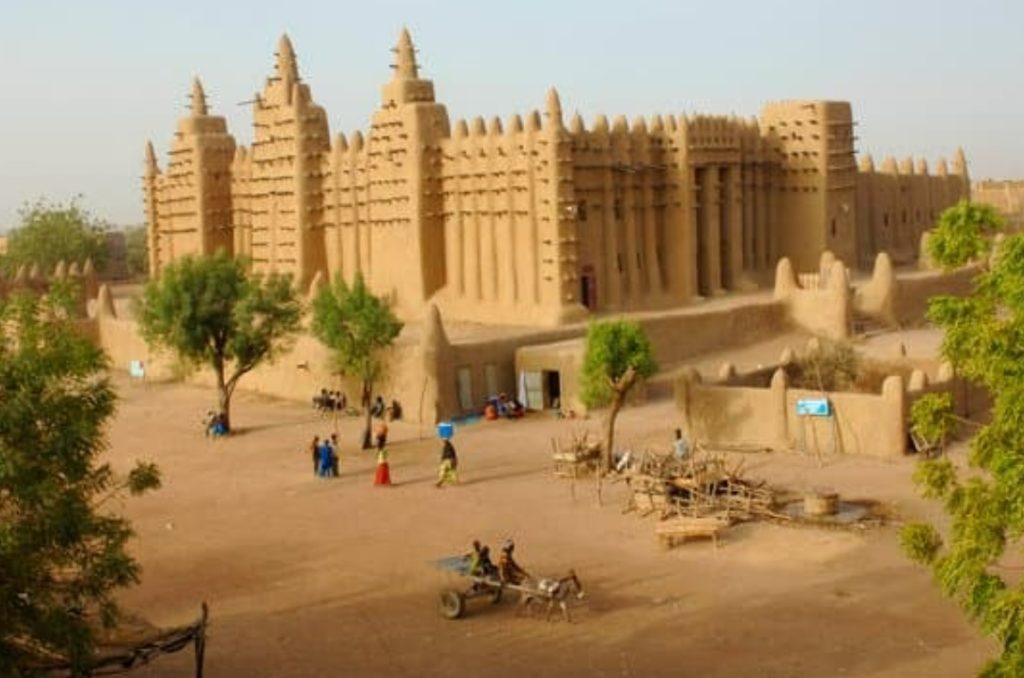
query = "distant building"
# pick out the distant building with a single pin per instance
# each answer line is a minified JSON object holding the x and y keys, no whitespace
{"x":1005,"y":196}
{"x":532,"y":221}
{"x":116,"y":267}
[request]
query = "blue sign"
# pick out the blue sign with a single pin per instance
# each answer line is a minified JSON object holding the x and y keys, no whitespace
{"x":445,"y":430}
{"x":137,"y":369}
{"x":813,"y":407}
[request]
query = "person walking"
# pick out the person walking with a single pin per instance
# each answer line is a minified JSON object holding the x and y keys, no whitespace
{"x":380,"y":433}
{"x":314,"y":450}
{"x":383,"y":475}
{"x":680,"y":448}
{"x":332,"y":445}
{"x":448,"y":471}
{"x":325,"y":464}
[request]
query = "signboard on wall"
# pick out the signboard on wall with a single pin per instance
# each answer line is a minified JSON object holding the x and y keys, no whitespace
{"x":813,"y":407}
{"x":136,"y":369}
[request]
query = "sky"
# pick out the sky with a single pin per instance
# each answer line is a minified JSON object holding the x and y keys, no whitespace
{"x":85,"y":84}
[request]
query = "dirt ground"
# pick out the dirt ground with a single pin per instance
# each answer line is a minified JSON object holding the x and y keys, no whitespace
{"x":317,"y":577}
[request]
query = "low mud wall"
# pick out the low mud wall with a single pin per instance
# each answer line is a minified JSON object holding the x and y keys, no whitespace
{"x":869,"y":424}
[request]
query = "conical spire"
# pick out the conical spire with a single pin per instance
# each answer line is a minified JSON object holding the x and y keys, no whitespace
{"x":554,"y":108}
{"x":405,"y":57}
{"x":198,"y":98}
{"x":960,"y":162}
{"x":576,"y":124}
{"x":287,"y":66}
{"x":151,"y":166}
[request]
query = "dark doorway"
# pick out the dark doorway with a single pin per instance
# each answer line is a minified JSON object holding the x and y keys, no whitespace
{"x":553,"y":388}
{"x":588,"y":288}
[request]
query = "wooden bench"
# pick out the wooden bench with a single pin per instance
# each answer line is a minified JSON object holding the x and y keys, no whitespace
{"x":682,"y":528}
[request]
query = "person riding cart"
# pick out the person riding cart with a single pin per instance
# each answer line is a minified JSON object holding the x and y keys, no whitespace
{"x":509,"y":571}
{"x":480,"y":564}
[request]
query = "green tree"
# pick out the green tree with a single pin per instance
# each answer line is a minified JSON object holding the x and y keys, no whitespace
{"x":358,"y":328}
{"x":136,"y":245}
{"x":211,"y":311}
{"x":54,"y":232}
{"x":618,"y":353}
{"x":984,"y":340}
{"x":932,"y":419}
{"x":61,"y":554}
{"x":963,"y":234}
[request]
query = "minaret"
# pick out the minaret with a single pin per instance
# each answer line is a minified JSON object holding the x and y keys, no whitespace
{"x":405,"y":138}
{"x":150,"y":179}
{"x":960,"y":170}
{"x":198,"y":97}
{"x":291,"y":142}
{"x":199,"y":186}
{"x":405,"y":58}
{"x":405,"y":85}
{"x":557,"y":230}
{"x":287,"y":67}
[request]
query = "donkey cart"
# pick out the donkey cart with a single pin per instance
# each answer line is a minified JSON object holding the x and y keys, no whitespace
{"x":553,"y":592}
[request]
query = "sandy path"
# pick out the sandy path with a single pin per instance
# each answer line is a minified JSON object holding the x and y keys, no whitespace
{"x":312,"y":577}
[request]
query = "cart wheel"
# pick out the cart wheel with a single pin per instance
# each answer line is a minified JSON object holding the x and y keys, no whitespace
{"x":496,"y":595}
{"x":453,"y":604}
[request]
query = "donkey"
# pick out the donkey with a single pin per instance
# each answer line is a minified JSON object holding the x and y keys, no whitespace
{"x":555,"y":591}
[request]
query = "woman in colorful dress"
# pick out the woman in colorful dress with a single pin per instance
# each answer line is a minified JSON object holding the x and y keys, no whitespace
{"x":383,"y":475}
{"x":448,"y":471}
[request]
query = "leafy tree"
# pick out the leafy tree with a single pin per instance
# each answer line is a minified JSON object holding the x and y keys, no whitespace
{"x":51,"y":232}
{"x":358,"y":328}
{"x":618,"y":353}
{"x":61,"y":554}
{"x":932,"y":419}
{"x":962,"y":233}
{"x":832,"y":366}
{"x":136,"y":246}
{"x":984,"y":340}
{"x":211,"y":311}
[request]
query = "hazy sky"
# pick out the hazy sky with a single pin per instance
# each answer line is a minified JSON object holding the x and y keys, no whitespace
{"x":84,"y":84}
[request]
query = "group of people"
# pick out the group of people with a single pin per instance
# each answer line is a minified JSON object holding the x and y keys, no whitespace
{"x":503,"y":407}
{"x":380,"y":410}
{"x":330,"y":401}
{"x":324,"y":453}
{"x":508,"y":571}
{"x":325,"y":456}
{"x":216,"y":424}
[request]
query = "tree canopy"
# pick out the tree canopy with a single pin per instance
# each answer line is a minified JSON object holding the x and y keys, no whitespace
{"x":54,"y":232}
{"x":984,"y":341}
{"x":136,"y":245}
{"x":962,"y":234}
{"x":61,"y":554}
{"x":617,"y":354}
{"x":358,"y":327}
{"x":212,"y":311}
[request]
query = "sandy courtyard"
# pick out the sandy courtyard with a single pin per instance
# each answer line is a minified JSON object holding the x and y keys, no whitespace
{"x":315,"y":577}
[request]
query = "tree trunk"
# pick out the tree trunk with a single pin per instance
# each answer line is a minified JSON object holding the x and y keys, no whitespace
{"x":619,"y":391}
{"x":223,"y":397}
{"x":337,"y":404}
{"x":609,"y":435}
{"x":367,"y":394}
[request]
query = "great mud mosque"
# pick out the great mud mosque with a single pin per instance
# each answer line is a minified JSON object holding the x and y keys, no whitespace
{"x":537,"y":220}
